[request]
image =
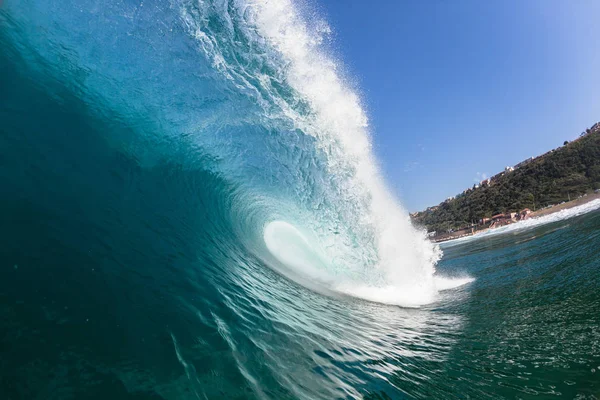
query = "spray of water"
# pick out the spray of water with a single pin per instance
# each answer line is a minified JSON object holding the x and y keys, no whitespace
{"x":405,"y":258}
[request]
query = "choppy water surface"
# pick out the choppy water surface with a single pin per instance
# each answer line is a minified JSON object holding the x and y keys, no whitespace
{"x":191,"y":209}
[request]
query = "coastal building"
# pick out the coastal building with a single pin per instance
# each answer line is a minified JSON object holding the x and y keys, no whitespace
{"x":508,"y":169}
{"x":524,"y":214}
{"x":593,"y":129}
{"x":524,"y":162}
{"x":503,"y":219}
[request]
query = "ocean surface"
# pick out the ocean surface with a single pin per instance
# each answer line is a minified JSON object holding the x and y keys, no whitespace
{"x":191,"y":209}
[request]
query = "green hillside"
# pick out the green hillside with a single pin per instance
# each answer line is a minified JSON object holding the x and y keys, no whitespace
{"x":556,"y":176}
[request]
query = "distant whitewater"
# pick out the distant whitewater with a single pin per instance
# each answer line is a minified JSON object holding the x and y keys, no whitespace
{"x":532,"y":222}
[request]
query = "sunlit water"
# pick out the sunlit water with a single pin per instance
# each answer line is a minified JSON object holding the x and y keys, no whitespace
{"x":191,"y":209}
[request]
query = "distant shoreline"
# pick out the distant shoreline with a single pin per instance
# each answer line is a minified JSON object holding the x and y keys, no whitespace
{"x":559,"y":175}
{"x":535,"y":214}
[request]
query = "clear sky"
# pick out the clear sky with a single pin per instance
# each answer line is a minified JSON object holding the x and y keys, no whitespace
{"x":457,"y":90}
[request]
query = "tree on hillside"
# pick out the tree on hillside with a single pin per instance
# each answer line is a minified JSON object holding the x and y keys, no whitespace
{"x":549,"y":179}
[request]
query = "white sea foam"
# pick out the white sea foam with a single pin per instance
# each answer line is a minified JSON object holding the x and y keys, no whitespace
{"x":447,"y":283}
{"x":302,"y":259}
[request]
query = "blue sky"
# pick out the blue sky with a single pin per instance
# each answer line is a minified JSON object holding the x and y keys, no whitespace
{"x":458,"y":89}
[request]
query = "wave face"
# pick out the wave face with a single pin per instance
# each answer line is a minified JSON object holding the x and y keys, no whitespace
{"x":247,"y":91}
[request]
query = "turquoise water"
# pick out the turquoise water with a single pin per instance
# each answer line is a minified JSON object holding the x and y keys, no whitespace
{"x":185,"y":216}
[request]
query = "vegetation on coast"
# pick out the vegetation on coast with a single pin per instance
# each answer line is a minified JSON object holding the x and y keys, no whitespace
{"x":559,"y":175}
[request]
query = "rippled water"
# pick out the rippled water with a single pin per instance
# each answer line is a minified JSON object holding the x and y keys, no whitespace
{"x":173,"y":227}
